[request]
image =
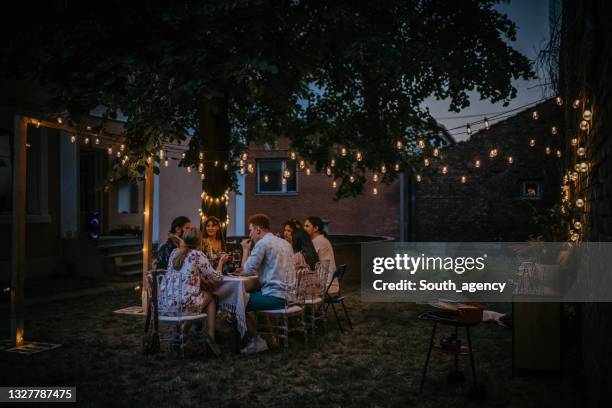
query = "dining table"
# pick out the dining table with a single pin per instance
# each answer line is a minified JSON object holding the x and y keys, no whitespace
{"x":233,"y":296}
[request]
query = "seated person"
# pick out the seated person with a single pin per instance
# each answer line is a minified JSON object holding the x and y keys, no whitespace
{"x":289,"y":226}
{"x":179,"y":226}
{"x":213,"y":243}
{"x":314,"y":227}
{"x":188,"y":284}
{"x":271,"y":259}
{"x":303,"y":249}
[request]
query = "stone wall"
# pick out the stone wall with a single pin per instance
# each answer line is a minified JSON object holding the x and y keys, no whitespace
{"x":489,"y":206}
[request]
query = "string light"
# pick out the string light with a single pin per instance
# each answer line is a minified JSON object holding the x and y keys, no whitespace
{"x":553,"y":130}
{"x":574,"y":237}
{"x":284,"y":181}
{"x":587,"y":115}
{"x":244,"y":156}
{"x":308,"y":171}
{"x":477,"y":164}
{"x":576,"y":104}
{"x":579,"y":203}
{"x":352,"y":179}
{"x":334,"y":184}
{"x":583,"y":167}
{"x":122,"y":147}
{"x":375,"y":177}
{"x":535,"y":115}
{"x":266,"y":178}
{"x":201,"y":168}
{"x":581,"y":151}
{"x":343,"y":152}
{"x":201,"y":155}
{"x":396,"y":167}
{"x":468,"y":129}
{"x":97,"y":140}
{"x":577,"y":225}
{"x":493,"y":153}
{"x":110,"y":151}
{"x":436,"y":152}
{"x":559,"y":153}
{"x":399,"y":145}
{"x":547,"y":150}
{"x":183,"y":155}
{"x":584,"y":125}
{"x":216,"y":163}
{"x":286,"y":174}
{"x":444,"y":169}
{"x":463,"y":179}
{"x":225,"y":166}
{"x":302,"y":164}
{"x":532,"y":143}
{"x":333,"y":163}
{"x":149,"y":159}
{"x":242,"y":171}
{"x":293,"y":155}
{"x":559,"y":101}
{"x":72,"y":138}
{"x":418,"y":178}
{"x":59,"y":120}
{"x":574,"y":141}
{"x":86,"y":141}
{"x":250,"y":168}
{"x":118,"y":154}
{"x":383,"y":169}
{"x":510,"y":160}
{"x":188,"y":169}
{"x":166,"y":163}
{"x":421,"y":144}
{"x":375,"y":191}
{"x":487,"y":125}
{"x":359,"y":156}
{"x":426,"y":162}
{"x":161,"y":154}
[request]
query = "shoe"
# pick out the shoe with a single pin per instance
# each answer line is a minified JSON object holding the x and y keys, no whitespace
{"x":255,"y":345}
{"x":212,"y":344}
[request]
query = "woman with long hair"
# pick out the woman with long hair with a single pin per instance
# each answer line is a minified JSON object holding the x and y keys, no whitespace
{"x":289,"y":226}
{"x":302,"y":244}
{"x":213,"y":243}
{"x":188,"y":284}
{"x":314,"y":226}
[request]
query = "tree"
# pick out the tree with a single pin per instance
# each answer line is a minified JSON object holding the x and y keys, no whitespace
{"x":330,"y":76}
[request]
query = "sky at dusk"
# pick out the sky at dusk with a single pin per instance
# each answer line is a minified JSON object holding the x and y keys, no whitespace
{"x":531,"y":18}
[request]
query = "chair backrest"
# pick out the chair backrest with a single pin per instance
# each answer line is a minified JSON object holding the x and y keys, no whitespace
{"x":322,"y":277}
{"x":339,"y":273}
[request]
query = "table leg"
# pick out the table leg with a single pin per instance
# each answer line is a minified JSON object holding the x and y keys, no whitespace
{"x":431,"y":343}
{"x":471,"y":356}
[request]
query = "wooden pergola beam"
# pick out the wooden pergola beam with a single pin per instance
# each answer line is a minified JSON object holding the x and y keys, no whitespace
{"x":19,"y":232}
{"x":147,"y":239}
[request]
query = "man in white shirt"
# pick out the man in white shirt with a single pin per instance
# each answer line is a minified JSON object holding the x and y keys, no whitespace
{"x":272,"y":260}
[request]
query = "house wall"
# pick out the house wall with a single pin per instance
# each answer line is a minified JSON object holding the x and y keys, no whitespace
{"x":488,"y":207}
{"x":366,"y":214}
{"x":586,"y":57}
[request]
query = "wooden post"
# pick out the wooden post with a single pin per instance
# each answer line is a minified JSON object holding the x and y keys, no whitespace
{"x":19,"y":208}
{"x":147,"y":239}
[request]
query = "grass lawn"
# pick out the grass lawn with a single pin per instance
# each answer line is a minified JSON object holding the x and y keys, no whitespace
{"x":379,"y":363}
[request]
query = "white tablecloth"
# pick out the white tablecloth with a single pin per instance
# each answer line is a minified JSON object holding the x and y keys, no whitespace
{"x":233,"y":296}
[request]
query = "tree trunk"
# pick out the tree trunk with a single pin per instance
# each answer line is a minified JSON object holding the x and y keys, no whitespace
{"x":215,"y":143}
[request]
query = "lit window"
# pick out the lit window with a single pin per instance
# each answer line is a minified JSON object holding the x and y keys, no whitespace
{"x":531,"y":190}
{"x":276,"y":176}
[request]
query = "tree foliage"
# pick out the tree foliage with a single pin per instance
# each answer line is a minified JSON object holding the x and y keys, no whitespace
{"x":325,"y":74}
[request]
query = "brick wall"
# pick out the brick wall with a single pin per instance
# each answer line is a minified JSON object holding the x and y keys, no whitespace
{"x":488,"y":206}
{"x":367,"y":214}
{"x":586,"y":67}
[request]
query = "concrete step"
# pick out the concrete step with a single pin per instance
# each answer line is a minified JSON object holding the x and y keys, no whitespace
{"x":119,"y":249}
{"x":124,"y":257}
{"x":128,"y":264}
{"x":131,"y":272}
{"x":119,"y":244}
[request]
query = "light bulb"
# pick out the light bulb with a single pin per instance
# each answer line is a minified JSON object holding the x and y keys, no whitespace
{"x":444,"y":169}
{"x":547,"y":150}
{"x":308,"y":171}
{"x":302,"y":164}
{"x":375,"y":191}
{"x":559,"y":153}
{"x":532,"y":143}
{"x":333,"y":163}
{"x":463,"y":179}
{"x":161,"y":154}
{"x":352,"y":179}
{"x":584,"y":125}
{"x":581,"y":151}
{"x":584,"y":167}
{"x":559,"y":101}
{"x":359,"y":156}
{"x":510,"y":160}
{"x":399,"y":145}
{"x":293,"y":155}
{"x":334,"y":184}
{"x":86,"y":141}
{"x":487,"y":125}
{"x":383,"y":169}
{"x":72,"y":138}
{"x":188,"y":169}
{"x":553,"y":130}
{"x":587,"y":115}
{"x":426,"y":162}
{"x":436,"y":152}
{"x":477,"y":163}
{"x":468,"y":129}
{"x":574,"y":141}
{"x":396,"y":167}
{"x":201,"y":156}
{"x":575,"y":237}
{"x":122,"y":147}
{"x":418,"y":178}
{"x":493,"y":153}
{"x":328,"y":171}
{"x":580,"y":203}
{"x":535,"y":115}
{"x":343,"y":152}
{"x":421,"y":144}
{"x":576,"y":104}
{"x":166,"y":163}
{"x":266,"y":178}
{"x":244,"y":156}
{"x":577,"y":225}
{"x":110,"y":151}
{"x":375,"y":177}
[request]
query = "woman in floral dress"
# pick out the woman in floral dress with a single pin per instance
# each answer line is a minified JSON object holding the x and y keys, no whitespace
{"x":188,"y":286}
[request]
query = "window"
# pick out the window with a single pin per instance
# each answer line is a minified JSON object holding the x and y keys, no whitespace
{"x":531,"y":190}
{"x":276,"y":176}
{"x":127,"y":197}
